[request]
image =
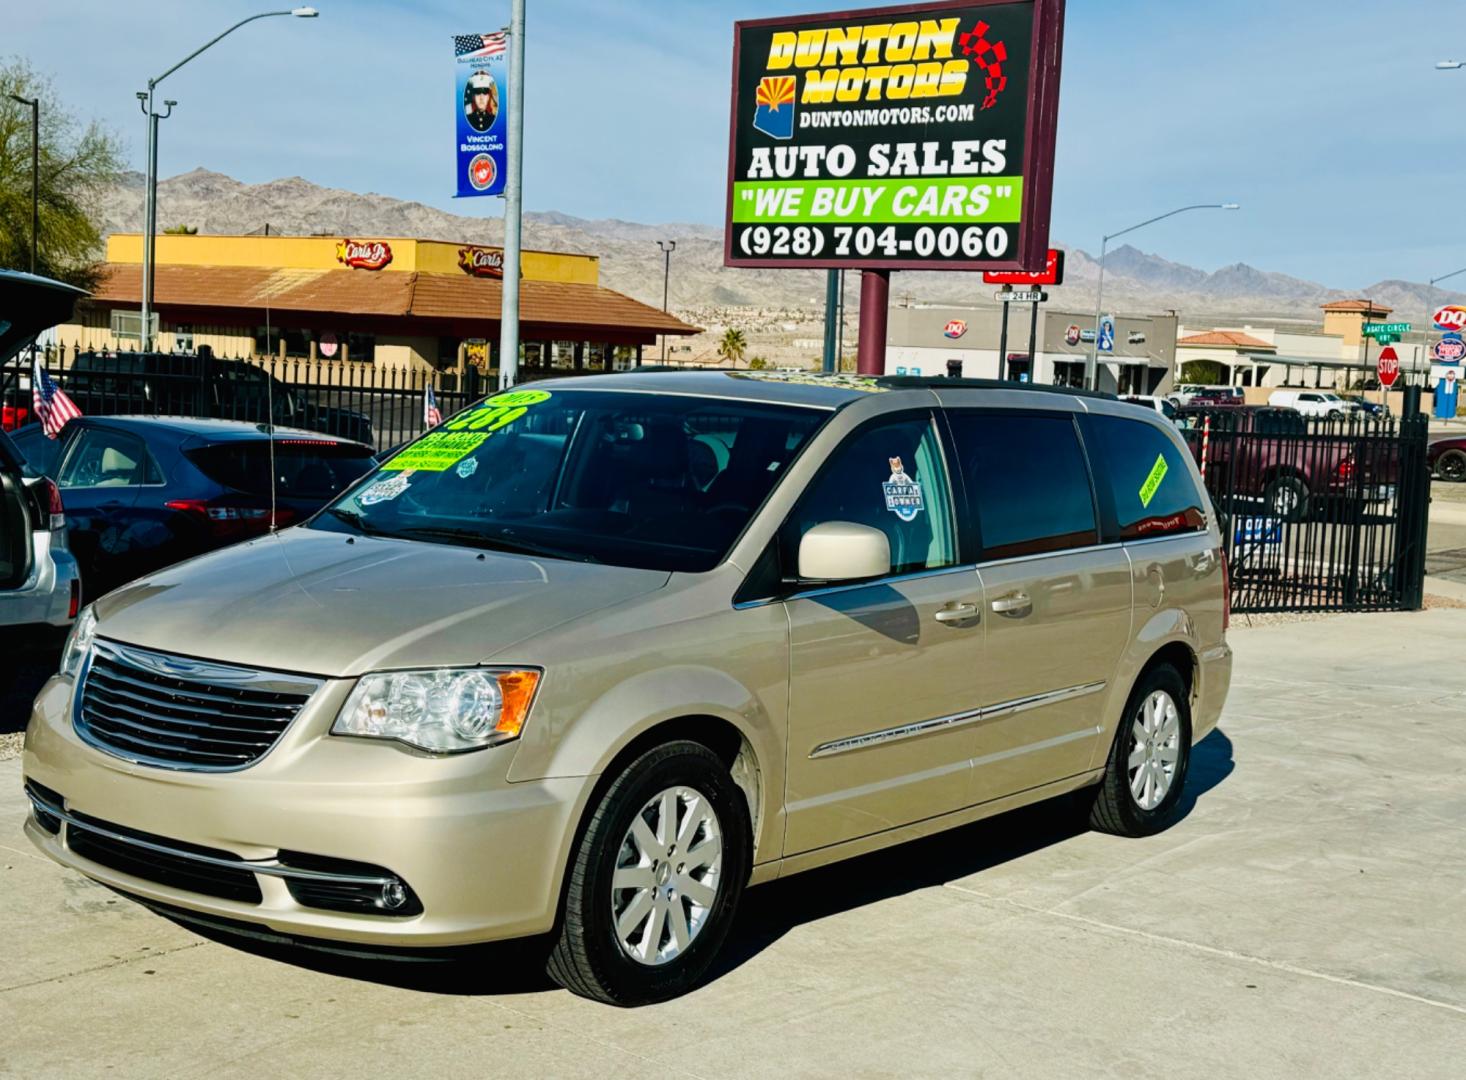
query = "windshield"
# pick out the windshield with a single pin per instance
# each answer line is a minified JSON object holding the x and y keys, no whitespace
{"x":654,"y":481}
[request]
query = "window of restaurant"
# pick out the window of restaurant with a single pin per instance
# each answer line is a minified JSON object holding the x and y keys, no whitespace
{"x":361,"y":346}
{"x":595,"y":356}
{"x":532,"y":355}
{"x":183,"y":338}
{"x":1069,"y":373}
{"x":268,"y":339}
{"x":562,"y":356}
{"x":623,"y":358}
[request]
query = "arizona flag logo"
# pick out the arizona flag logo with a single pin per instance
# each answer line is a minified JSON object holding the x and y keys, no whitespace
{"x":774,"y":115}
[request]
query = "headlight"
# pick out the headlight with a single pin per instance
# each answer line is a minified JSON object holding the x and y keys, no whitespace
{"x":446,"y":711}
{"x":79,"y":641}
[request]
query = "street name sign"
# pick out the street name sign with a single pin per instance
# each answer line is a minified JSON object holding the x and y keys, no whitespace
{"x":917,"y":137}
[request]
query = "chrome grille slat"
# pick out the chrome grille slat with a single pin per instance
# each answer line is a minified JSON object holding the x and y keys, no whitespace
{"x":111,"y":732}
{"x":111,"y":672}
{"x":140,"y":706}
{"x":178,"y":713}
{"x":191,"y":738}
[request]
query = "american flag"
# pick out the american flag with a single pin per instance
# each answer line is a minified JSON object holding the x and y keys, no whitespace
{"x":50,"y":402}
{"x":432,"y":416}
{"x":480,"y":44}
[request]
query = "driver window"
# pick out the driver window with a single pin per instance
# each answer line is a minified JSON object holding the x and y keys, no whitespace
{"x":104,"y":459}
{"x":889,"y":477}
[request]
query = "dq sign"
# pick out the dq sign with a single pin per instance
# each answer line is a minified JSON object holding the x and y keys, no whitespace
{"x":1450,"y":317}
{"x":955,"y":329}
{"x":363,"y":254}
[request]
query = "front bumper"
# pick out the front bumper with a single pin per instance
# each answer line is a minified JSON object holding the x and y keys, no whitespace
{"x":483,"y":856}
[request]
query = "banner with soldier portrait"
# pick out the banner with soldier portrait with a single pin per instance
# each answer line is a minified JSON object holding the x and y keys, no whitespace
{"x":480,"y":79}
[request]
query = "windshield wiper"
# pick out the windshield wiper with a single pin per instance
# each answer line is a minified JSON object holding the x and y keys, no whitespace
{"x":356,"y":521}
{"x":513,"y":545}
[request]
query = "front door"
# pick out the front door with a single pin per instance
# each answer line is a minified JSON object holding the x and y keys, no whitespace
{"x":99,"y":479}
{"x":1056,"y":601}
{"x":884,"y":676}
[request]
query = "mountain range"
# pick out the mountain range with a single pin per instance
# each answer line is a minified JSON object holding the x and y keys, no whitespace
{"x":702,"y":288}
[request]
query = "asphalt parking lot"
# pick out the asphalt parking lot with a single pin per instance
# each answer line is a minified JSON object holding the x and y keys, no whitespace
{"x":1302,"y":920}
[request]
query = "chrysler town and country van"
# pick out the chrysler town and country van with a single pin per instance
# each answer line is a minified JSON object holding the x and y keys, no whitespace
{"x":595,"y":655}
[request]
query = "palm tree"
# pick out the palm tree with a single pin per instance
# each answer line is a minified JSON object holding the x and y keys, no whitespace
{"x":732,"y":347}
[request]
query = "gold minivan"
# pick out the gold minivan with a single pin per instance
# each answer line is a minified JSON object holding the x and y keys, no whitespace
{"x":596,"y":654}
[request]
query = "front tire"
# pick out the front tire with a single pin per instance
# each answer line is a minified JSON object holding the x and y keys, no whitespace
{"x":655,"y":879}
{"x":1451,"y":466}
{"x":1149,"y":759}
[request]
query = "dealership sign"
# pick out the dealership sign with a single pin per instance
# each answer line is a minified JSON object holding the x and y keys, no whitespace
{"x":1450,"y":317}
{"x":481,"y":262}
{"x":916,"y":137}
{"x":363,"y":254}
{"x":955,"y":329}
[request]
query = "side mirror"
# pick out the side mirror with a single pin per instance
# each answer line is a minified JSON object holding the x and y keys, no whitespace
{"x":843,"y":551}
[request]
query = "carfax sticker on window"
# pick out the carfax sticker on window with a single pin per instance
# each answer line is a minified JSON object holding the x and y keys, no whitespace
{"x":903,"y":494}
{"x":384,"y":490}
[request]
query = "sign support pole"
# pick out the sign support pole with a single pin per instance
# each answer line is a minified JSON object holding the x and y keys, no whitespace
{"x":1003,"y":342}
{"x":875,"y":298}
{"x":832,"y":304}
{"x":1033,"y":346}
{"x":513,"y":204}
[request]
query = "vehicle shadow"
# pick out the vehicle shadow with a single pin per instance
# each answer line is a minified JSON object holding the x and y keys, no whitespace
{"x":768,"y":912}
{"x":771,"y":911}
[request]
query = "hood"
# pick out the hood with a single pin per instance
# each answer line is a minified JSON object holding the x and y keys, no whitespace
{"x":28,"y":305}
{"x":309,"y":601}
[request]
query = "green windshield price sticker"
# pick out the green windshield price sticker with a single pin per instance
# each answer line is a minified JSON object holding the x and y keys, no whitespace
{"x":498,"y":411}
{"x":1153,"y":481}
{"x":437,"y":451}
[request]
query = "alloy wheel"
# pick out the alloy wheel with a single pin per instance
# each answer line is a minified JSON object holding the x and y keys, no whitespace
{"x":667,"y":876}
{"x":1155,"y":750}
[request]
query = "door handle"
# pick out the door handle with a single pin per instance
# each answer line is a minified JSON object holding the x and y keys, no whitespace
{"x":1014,"y":605}
{"x":957,"y":613}
{"x":1203,"y":563}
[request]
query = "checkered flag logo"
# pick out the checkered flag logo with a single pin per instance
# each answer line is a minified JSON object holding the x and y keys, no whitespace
{"x":989,"y":56}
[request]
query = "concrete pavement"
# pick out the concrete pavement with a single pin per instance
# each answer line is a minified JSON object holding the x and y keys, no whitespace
{"x":1303,"y":920}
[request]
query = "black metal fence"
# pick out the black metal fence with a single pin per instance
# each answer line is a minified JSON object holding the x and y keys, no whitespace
{"x":380,"y":404}
{"x":1319,"y":514}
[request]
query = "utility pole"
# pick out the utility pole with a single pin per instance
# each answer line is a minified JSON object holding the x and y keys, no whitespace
{"x":513,"y":203}
{"x":150,"y":213}
{"x":35,"y":104}
{"x":667,"y":247}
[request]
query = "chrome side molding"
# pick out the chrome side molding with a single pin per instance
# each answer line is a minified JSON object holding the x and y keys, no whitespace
{"x":944,"y":723}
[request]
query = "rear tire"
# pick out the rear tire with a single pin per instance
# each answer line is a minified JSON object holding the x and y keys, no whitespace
{"x":648,"y":904}
{"x":1149,"y":758}
{"x":1287,"y":498}
{"x":1451,"y":466}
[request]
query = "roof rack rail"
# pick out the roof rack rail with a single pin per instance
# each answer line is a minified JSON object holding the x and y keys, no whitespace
{"x":941,"y":382}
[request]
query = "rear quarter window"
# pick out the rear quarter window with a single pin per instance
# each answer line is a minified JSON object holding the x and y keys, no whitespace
{"x":1145,"y":478}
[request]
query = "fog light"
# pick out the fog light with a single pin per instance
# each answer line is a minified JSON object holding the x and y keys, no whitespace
{"x":394,"y":895}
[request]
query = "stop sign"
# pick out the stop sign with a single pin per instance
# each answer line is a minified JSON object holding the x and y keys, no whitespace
{"x":1388,"y":367}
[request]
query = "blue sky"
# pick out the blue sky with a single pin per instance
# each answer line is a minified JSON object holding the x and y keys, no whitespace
{"x":1324,"y":118}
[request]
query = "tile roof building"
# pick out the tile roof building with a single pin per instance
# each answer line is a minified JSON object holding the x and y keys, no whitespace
{"x":426,"y":303}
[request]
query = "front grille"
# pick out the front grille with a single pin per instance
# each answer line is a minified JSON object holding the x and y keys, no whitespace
{"x":162,"y":868}
{"x":177,"y":713}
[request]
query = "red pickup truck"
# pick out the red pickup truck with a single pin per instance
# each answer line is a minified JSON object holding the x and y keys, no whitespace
{"x":1274,"y":456}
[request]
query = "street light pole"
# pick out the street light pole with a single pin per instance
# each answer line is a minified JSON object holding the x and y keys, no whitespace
{"x":1091,"y":371}
{"x":667,"y":247}
{"x":150,"y":212}
{"x":35,"y":104}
